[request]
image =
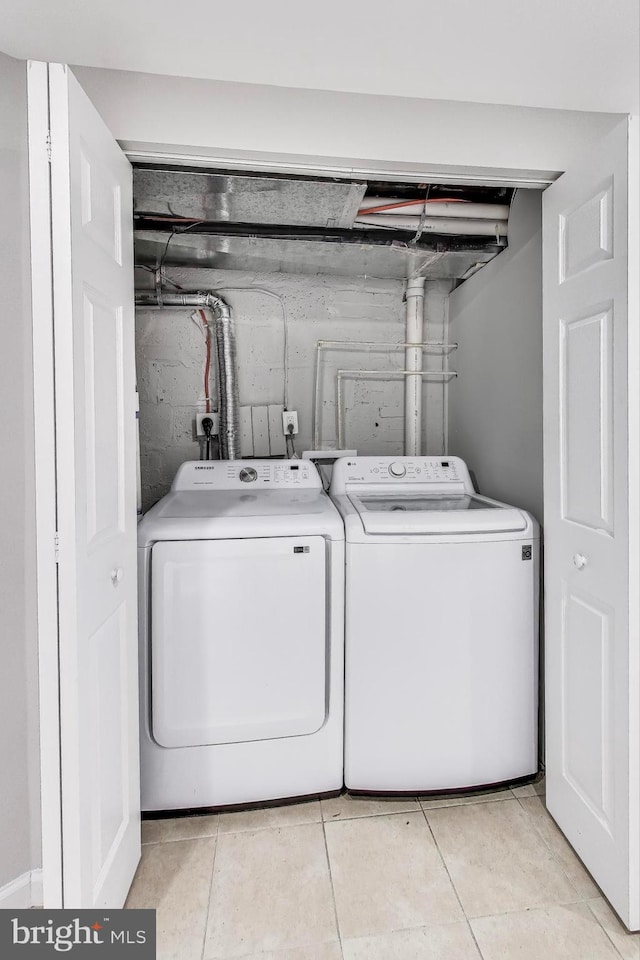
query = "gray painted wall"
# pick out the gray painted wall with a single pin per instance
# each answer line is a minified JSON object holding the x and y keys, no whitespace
{"x":19,"y":775}
{"x":495,"y":405}
{"x":253,"y":120}
{"x":170,"y":362}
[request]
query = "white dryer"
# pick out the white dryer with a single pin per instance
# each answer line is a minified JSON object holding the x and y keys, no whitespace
{"x":241,"y":573}
{"x":441,"y":628}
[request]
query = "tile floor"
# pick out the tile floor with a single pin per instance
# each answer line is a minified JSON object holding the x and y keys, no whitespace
{"x":485,"y":877}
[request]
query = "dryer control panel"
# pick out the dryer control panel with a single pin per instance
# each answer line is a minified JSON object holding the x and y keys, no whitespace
{"x":243,"y":474}
{"x":382,"y":471}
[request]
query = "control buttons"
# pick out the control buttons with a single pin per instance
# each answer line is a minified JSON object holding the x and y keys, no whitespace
{"x":248,"y":475}
{"x":397,"y":469}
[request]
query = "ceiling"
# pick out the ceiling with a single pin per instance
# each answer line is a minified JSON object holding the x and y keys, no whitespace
{"x":575,"y":55}
{"x":397,"y":261}
{"x":242,"y":198}
{"x":292,"y":224}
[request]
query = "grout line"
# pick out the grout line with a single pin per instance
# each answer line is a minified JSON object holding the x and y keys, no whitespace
{"x":333,"y":892}
{"x":467,"y":919}
{"x":208,"y":910}
{"x":600,"y":923}
{"x":494,"y":798}
{"x":202,"y":836}
{"x":268,"y":826}
{"x":378,"y":813}
{"x":532,"y":823}
{"x":474,"y":938}
{"x":446,"y":868}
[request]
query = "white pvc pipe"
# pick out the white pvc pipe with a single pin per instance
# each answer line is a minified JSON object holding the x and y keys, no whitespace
{"x":413,"y":361}
{"x":470,"y":211}
{"x":450,"y":225}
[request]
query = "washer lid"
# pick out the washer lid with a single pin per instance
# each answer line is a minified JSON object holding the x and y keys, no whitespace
{"x":436,"y":514}
{"x":220,"y":514}
{"x":240,"y":503}
{"x":219,"y":499}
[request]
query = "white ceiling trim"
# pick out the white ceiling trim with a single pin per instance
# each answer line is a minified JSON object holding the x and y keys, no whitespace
{"x":392,"y":173}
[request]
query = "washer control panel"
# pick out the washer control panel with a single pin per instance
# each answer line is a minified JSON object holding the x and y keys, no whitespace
{"x":379,"y":471}
{"x":238,"y":474}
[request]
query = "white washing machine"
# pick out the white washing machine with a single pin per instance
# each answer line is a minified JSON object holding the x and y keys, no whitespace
{"x":441,"y":639}
{"x":241,"y":573}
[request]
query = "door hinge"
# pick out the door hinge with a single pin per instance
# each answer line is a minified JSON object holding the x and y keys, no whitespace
{"x":48,"y":145}
{"x":56,"y":546}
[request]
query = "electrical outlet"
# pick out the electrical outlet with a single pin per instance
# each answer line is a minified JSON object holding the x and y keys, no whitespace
{"x":290,"y":419}
{"x":199,"y":428}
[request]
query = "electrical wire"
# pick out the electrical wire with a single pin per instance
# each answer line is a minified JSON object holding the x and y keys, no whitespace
{"x":423,"y":217}
{"x":164,"y":252}
{"x":207,"y":366}
{"x":163,"y":218}
{"x":204,"y":328}
{"x":164,"y":277}
{"x":289,"y":440}
{"x":206,"y":331}
{"x":326,"y":484}
{"x":408,"y":203}
{"x":173,"y":233}
{"x":263,"y":290}
{"x":197,"y":323}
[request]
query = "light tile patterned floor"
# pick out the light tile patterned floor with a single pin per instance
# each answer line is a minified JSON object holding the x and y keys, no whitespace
{"x":484,"y":878}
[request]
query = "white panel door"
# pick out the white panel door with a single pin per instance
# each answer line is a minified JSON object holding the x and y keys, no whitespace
{"x":92,"y":256}
{"x":591,"y":641}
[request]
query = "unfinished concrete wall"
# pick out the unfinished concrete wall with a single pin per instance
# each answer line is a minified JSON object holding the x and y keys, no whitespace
{"x":170,"y":359}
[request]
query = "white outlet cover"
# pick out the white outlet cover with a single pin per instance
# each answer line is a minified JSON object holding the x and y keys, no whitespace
{"x":202,"y":416}
{"x":289,"y":417}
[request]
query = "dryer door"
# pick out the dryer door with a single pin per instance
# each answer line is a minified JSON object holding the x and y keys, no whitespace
{"x":238,"y":640}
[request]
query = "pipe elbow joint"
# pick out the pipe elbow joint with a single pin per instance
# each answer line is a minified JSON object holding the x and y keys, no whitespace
{"x":218,"y":306}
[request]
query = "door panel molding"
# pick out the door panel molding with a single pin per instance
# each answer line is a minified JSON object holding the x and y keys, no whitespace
{"x":586,"y":401}
{"x":591,"y":509}
{"x":586,"y":233}
{"x":589,"y":642}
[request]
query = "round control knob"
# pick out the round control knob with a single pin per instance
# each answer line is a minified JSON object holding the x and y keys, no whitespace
{"x":397,"y":469}
{"x":248,"y":475}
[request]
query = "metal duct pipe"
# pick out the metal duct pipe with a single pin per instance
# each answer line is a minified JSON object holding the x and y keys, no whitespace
{"x":229,"y":412}
{"x":224,"y":330}
{"x":413,"y":361}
